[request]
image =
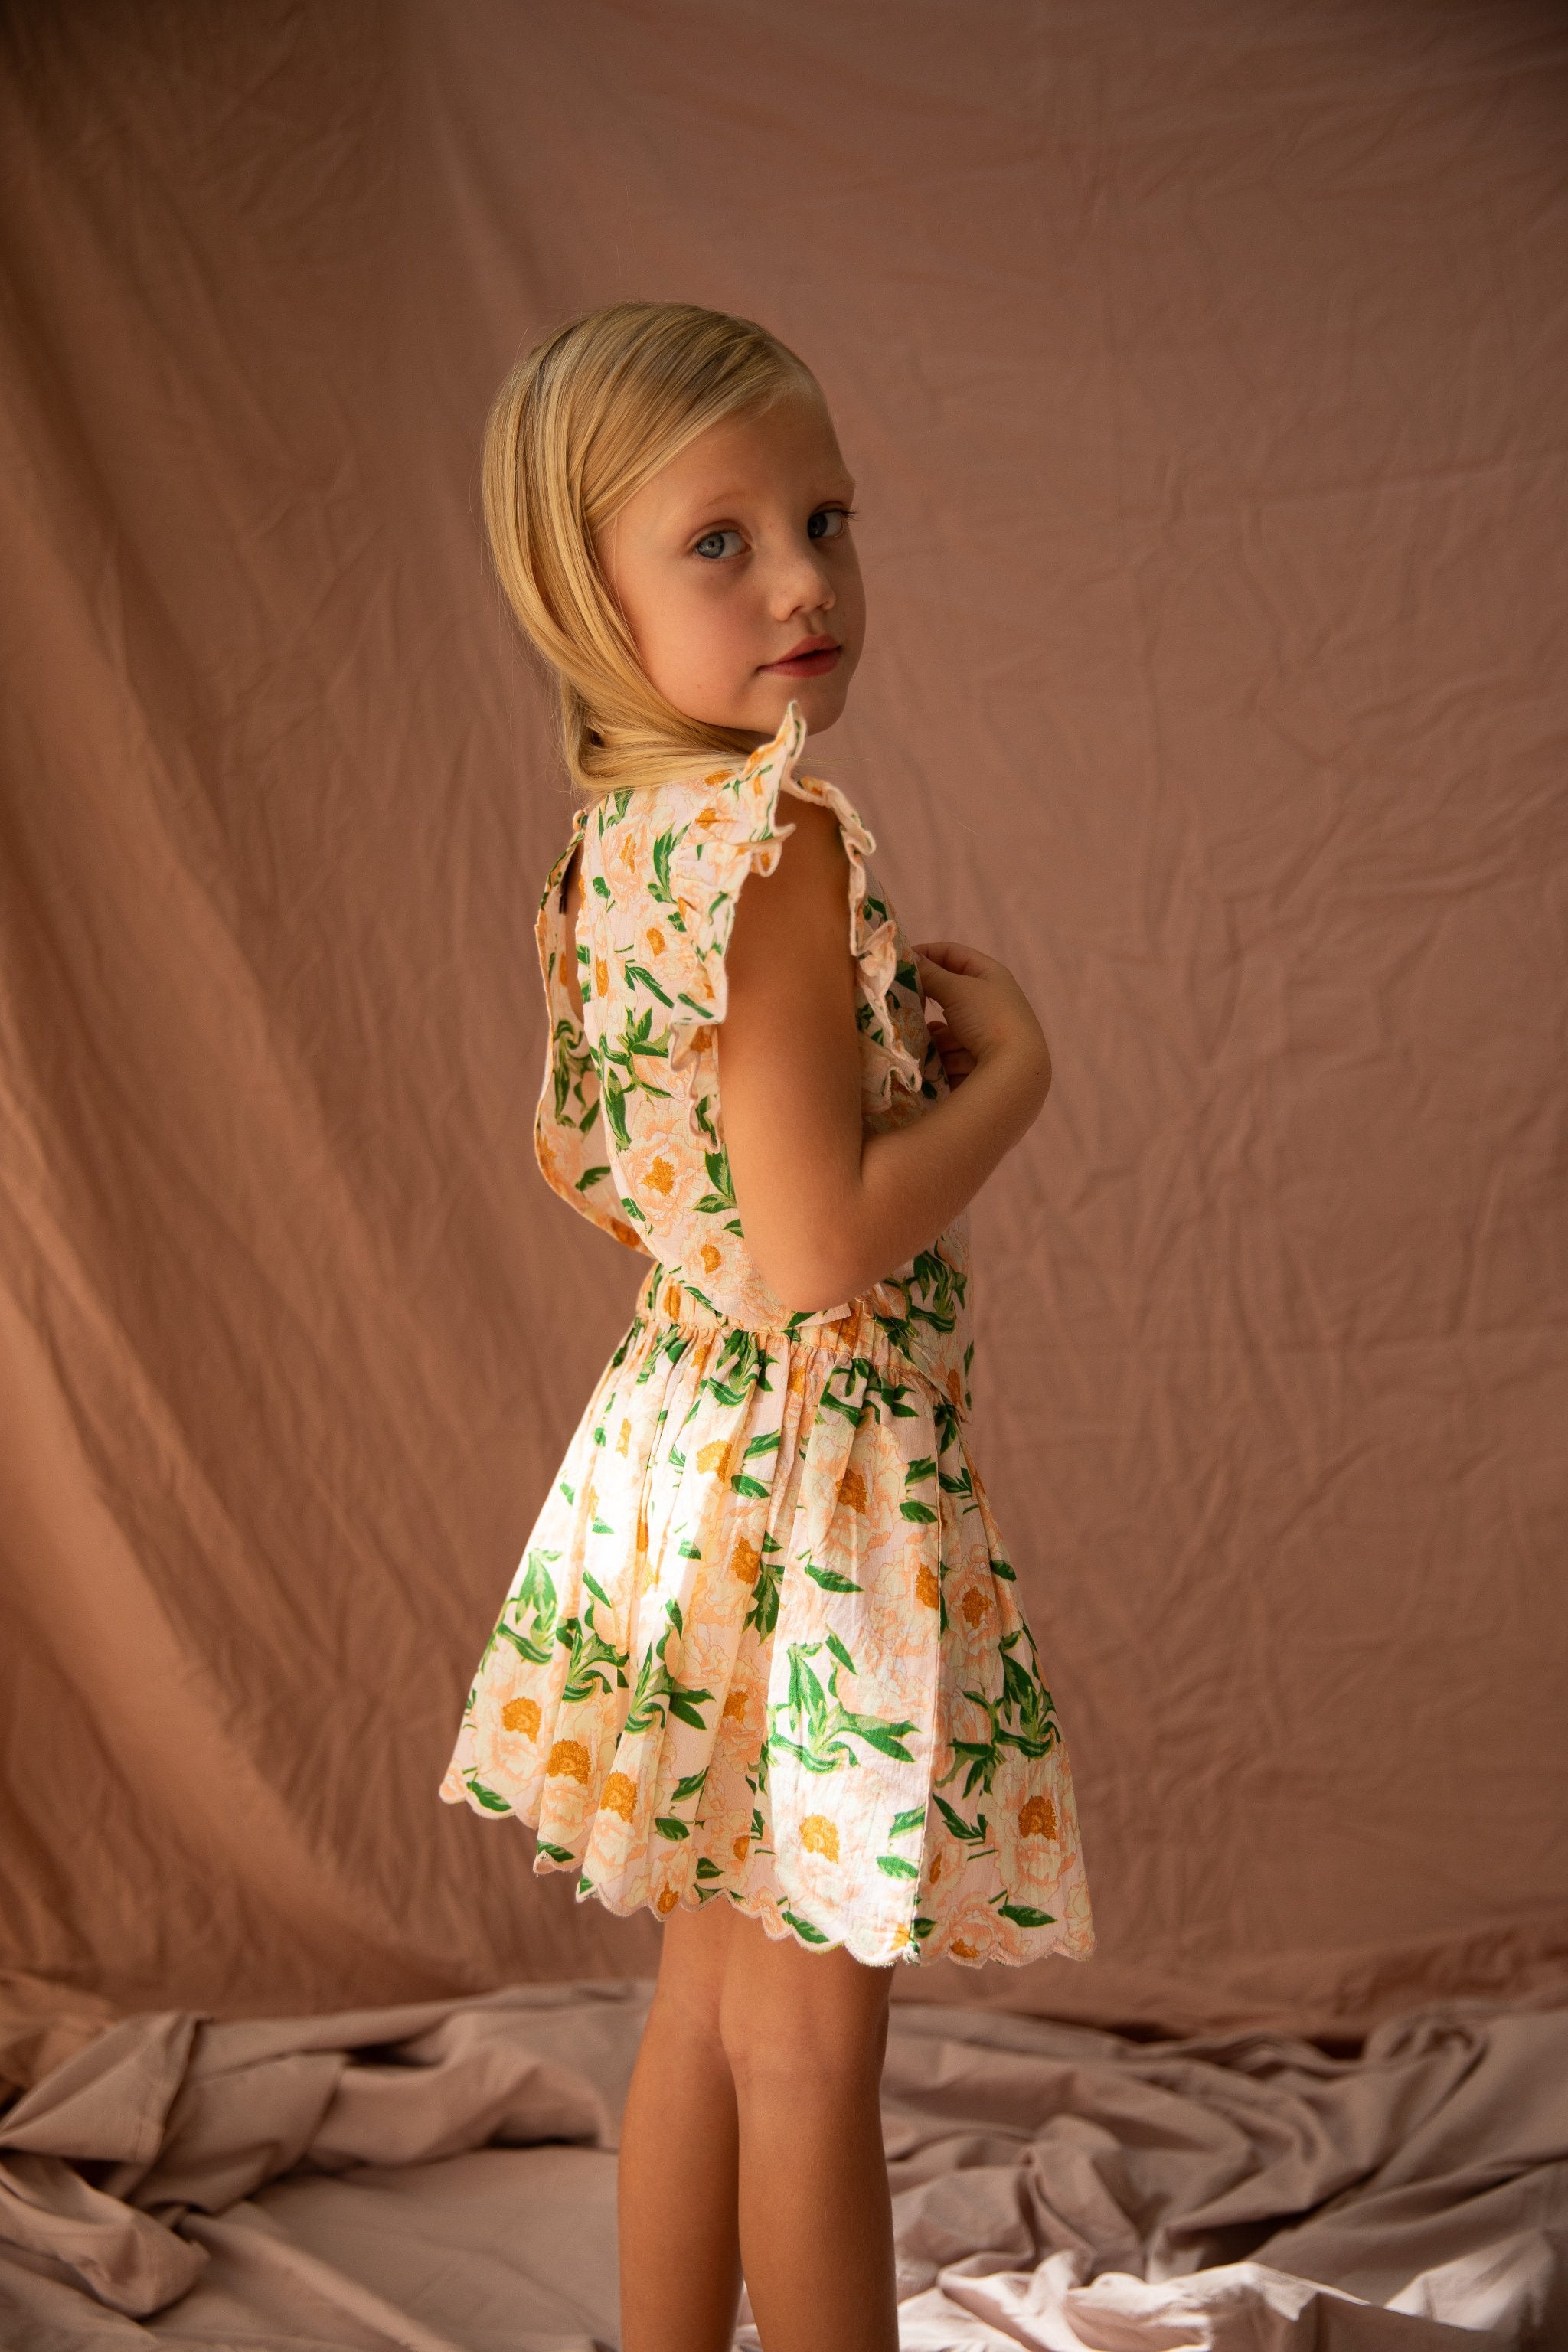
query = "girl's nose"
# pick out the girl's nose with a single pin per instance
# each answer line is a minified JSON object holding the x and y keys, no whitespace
{"x":802,"y":586}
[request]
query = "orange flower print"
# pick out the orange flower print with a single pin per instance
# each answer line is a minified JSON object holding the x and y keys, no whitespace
{"x":619,"y":1795}
{"x":822,"y":1620}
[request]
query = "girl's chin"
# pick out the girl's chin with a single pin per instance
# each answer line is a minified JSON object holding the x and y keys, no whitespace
{"x":821,"y":700}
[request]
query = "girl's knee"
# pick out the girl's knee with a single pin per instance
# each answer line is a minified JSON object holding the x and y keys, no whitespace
{"x":803,"y":2018}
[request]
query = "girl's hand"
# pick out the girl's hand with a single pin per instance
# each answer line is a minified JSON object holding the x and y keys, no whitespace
{"x":985,"y":1013}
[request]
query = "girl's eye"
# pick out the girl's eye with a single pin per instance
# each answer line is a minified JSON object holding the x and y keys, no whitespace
{"x":711,"y":544}
{"x":829,"y":522}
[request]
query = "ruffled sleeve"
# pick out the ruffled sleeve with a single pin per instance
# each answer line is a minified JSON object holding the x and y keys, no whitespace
{"x":734,"y":829}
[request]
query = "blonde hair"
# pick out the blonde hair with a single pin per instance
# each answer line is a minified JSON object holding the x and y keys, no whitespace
{"x":579,"y":423}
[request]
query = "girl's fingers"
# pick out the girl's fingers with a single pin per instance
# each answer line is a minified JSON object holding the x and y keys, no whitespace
{"x":953,"y":956}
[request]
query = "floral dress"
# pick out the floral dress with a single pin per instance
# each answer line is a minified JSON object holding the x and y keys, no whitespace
{"x":764,"y":1639}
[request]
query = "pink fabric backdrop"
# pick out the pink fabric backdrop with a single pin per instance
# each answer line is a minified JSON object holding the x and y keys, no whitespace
{"x":1203,"y":368}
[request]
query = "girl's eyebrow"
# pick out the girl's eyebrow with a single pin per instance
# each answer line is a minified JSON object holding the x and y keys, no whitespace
{"x":843,"y":485}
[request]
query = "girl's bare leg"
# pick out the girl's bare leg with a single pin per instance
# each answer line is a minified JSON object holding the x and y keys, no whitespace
{"x":676,"y":2175}
{"x":805,"y":2033}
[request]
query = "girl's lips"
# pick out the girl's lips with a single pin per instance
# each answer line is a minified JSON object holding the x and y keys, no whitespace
{"x":812,"y":664}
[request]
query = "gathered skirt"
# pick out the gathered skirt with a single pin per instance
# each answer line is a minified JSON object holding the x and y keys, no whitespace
{"x":764,"y":1644}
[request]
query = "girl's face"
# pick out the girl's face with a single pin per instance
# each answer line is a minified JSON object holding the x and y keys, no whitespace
{"x":736,"y":574}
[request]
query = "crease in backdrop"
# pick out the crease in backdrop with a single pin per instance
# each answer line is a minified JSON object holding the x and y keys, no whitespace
{"x":1202,"y":370}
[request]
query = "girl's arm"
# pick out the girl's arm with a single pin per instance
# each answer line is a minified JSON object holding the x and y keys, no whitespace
{"x":828,"y":1209}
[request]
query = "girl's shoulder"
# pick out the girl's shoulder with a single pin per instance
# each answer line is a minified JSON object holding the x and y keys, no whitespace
{"x":663,"y":868}
{"x":714,"y":826}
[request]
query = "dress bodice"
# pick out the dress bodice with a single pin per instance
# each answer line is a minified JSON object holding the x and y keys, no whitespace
{"x":629,"y":1128}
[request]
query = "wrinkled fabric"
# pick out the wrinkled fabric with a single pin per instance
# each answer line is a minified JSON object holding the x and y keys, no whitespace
{"x":1201,"y":370}
{"x":764,"y":1640}
{"x":440,"y":2178}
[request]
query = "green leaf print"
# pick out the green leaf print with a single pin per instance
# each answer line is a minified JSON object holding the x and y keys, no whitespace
{"x":486,"y":1797}
{"x":722,"y":1196}
{"x":971,"y":1832}
{"x":615,"y":1099}
{"x":741,"y":1369}
{"x":659,"y":1694}
{"x":829,"y":1578}
{"x":590,"y":1176}
{"x":920,"y":1512}
{"x":803,"y":1926}
{"x":903,"y":1823}
{"x":767,"y":1443}
{"x":570,"y":1063}
{"x":556,"y":1852}
{"x":641,"y":974}
{"x":668,"y":1827}
{"x":636,"y":1044}
{"x":536,"y":1652}
{"x":658,"y":887}
{"x":1024,"y":1915}
{"x":896,"y":1866}
{"x":536,"y":1591}
{"x":707,"y":1868}
{"x":826,"y":1724}
{"x":763,"y":1613}
{"x":591,"y":1660}
{"x":1032,"y":1729}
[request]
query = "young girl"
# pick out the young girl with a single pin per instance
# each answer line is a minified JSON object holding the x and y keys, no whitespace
{"x":763,"y":1668}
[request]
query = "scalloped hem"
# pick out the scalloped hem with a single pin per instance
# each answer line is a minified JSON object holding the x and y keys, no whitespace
{"x":776,"y":1920}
